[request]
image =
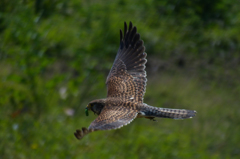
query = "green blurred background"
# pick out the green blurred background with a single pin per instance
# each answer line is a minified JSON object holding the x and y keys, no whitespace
{"x":55,"y":56}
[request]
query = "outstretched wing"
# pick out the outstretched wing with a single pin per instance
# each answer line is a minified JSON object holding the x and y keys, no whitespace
{"x":127,"y":78}
{"x":111,"y":117}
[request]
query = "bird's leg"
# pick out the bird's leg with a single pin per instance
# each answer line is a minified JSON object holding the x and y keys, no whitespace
{"x":151,"y":118}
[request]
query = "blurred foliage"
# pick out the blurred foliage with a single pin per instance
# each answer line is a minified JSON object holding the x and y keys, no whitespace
{"x":55,"y":56}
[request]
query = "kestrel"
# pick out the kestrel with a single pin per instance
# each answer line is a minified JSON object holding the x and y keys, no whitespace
{"x":126,"y":84}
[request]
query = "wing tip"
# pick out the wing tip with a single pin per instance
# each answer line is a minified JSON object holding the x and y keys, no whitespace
{"x":130,"y":37}
{"x":79,"y":134}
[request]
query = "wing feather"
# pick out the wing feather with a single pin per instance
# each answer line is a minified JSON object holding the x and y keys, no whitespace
{"x":113,"y":117}
{"x":127,"y":77}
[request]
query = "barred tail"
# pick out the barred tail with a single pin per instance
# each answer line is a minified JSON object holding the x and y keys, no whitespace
{"x":151,"y":112}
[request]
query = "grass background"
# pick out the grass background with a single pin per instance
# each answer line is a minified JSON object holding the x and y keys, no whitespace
{"x":55,"y":56}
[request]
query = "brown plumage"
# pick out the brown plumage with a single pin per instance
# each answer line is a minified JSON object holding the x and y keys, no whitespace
{"x":126,"y":84}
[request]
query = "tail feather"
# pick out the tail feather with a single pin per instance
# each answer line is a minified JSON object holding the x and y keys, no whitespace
{"x":175,"y":113}
{"x":151,"y":112}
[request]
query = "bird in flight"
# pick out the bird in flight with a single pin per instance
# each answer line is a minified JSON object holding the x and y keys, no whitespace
{"x":126,"y":84}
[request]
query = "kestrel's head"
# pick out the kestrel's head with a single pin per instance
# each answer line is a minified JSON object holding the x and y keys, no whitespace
{"x":95,"y":106}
